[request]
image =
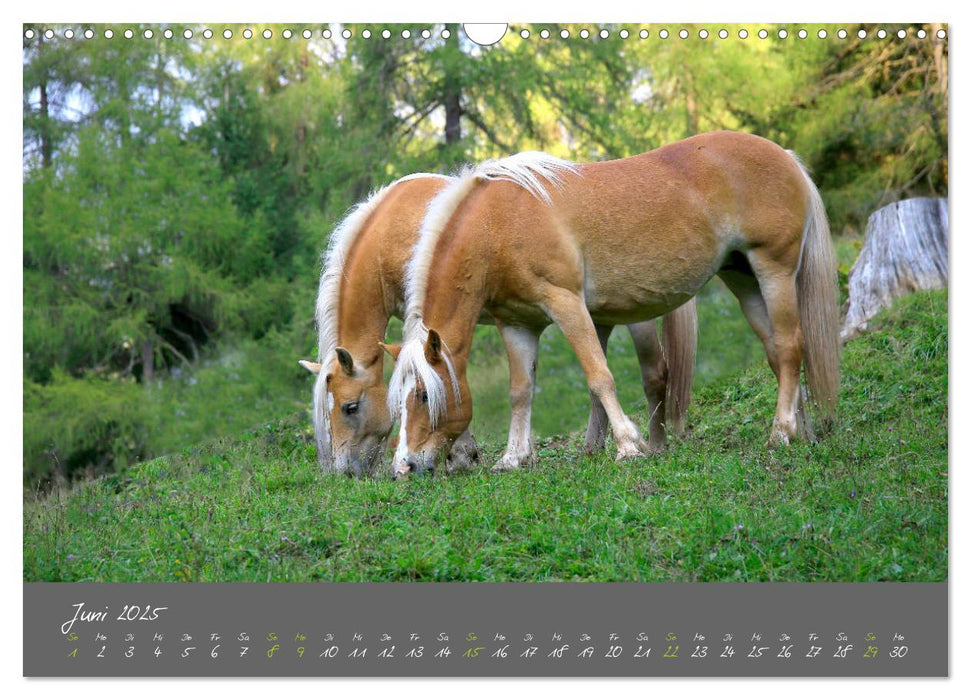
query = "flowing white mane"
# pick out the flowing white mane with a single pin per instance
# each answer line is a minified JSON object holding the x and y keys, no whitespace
{"x":412,"y":366}
{"x":328,"y":300}
{"x":533,"y":171}
{"x":528,"y":170}
{"x":334,"y":258}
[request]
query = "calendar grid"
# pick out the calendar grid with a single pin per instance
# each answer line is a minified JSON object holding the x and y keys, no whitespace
{"x":464,"y":629}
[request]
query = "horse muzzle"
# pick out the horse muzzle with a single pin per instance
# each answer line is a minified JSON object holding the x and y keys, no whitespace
{"x":350,"y":465}
{"x":413,"y":465}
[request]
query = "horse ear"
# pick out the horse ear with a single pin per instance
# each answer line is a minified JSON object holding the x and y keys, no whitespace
{"x":312,"y":367}
{"x":433,"y":347}
{"x":394,"y":350}
{"x":347,"y":362}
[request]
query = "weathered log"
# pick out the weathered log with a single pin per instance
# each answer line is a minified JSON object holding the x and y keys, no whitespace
{"x":905,"y":250}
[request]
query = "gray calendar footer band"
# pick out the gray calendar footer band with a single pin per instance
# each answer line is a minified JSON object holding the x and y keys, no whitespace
{"x":470,"y":629}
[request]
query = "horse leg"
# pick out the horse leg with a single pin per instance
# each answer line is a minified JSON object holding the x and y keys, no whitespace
{"x":654,"y":373}
{"x":781,"y":302}
{"x":777,"y":282}
{"x":746,"y":289}
{"x":679,"y":346}
{"x":569,"y":312}
{"x":597,"y":424}
{"x":521,"y":347}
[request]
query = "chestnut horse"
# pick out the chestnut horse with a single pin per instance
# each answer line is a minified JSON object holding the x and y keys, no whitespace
{"x":362,"y":286}
{"x":533,"y":239}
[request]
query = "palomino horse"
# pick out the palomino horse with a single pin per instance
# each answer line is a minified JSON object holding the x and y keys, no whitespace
{"x":364,"y":268}
{"x":362,"y":286}
{"x":533,"y":239}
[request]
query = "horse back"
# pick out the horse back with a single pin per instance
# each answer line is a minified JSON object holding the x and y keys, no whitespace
{"x":713,"y":186}
{"x":662,"y":223}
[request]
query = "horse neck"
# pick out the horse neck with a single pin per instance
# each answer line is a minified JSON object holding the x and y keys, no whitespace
{"x":368,"y":299}
{"x":454,"y":297}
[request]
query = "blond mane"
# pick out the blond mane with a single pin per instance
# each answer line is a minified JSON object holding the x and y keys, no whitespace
{"x":412,"y":366}
{"x":328,"y":299}
{"x":529,"y":170}
{"x":533,"y":171}
{"x":334,"y":259}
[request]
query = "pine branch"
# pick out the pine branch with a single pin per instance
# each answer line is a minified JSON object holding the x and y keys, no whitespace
{"x":490,"y":134}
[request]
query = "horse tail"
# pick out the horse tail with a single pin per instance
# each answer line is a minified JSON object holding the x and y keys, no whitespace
{"x":679,"y":340}
{"x":818,"y":311}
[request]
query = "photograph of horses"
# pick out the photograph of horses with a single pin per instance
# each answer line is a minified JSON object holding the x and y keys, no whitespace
{"x":333,"y":302}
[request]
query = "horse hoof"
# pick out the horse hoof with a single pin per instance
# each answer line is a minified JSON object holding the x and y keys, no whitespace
{"x":777,"y":439}
{"x":503,"y":466}
{"x":458,"y":466}
{"x":510,"y":463}
{"x":631,"y":452}
{"x":593,"y":448}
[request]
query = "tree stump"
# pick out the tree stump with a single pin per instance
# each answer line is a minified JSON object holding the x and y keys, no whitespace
{"x":905,"y":250}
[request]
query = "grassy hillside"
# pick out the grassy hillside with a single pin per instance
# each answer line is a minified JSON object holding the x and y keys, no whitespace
{"x":867,"y":503}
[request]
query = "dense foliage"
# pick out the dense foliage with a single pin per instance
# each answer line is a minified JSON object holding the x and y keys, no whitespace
{"x":178,"y":191}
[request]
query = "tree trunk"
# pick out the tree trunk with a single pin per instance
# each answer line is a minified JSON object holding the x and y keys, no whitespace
{"x":148,"y":362}
{"x":44,"y":126}
{"x":905,"y":250}
{"x":453,"y":118}
{"x":452,"y":97}
{"x":46,"y":150}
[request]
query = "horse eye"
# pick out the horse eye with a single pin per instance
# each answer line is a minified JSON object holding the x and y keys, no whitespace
{"x":350,"y":408}
{"x":424,"y":397}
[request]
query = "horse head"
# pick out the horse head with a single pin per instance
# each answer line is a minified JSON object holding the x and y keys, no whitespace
{"x":432,"y":416}
{"x":353,"y":411}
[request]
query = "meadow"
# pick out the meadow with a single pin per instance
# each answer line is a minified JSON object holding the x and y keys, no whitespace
{"x":867,"y":502}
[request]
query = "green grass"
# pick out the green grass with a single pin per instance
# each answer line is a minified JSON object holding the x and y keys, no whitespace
{"x":867,"y":503}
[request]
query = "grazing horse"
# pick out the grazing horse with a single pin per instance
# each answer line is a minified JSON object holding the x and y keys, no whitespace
{"x":533,"y":239}
{"x":362,"y":286}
